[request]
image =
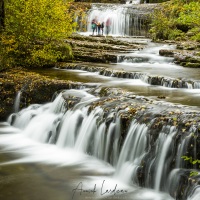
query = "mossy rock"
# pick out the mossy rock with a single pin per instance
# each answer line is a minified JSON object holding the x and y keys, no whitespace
{"x":192,"y":65}
{"x":166,"y":52}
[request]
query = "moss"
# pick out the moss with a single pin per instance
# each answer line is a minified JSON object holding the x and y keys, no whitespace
{"x":35,"y":88}
{"x":192,"y":65}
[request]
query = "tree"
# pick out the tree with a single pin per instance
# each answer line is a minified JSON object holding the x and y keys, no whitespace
{"x":2,"y":15}
{"x":35,"y":31}
{"x":176,"y":19}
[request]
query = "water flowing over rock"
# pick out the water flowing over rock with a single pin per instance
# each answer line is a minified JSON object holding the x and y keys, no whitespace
{"x":124,"y":20}
{"x":145,"y":138}
{"x":150,"y":79}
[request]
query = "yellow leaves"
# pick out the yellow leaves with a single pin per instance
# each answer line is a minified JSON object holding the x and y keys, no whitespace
{"x":40,"y":18}
{"x":7,"y":40}
{"x":31,"y":22}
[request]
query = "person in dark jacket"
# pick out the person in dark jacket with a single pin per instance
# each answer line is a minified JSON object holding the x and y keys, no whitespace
{"x":102,"y":27}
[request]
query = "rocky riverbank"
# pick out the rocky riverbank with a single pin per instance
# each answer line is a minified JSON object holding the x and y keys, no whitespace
{"x":101,"y":49}
{"x":187,"y":54}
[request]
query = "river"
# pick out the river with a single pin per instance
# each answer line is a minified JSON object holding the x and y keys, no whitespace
{"x":48,"y":152}
{"x":33,"y":168}
{"x":153,"y":65}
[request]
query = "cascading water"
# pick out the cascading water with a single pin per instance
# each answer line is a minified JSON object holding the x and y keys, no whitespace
{"x":166,"y":141}
{"x":149,"y":60}
{"x":17,"y":102}
{"x":140,"y":157}
{"x":116,"y":15}
{"x":123,"y":20}
{"x":131,"y":153}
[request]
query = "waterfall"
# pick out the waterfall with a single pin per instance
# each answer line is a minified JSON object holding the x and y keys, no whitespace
{"x":69,"y":128}
{"x":123,"y":20}
{"x":116,"y":15}
{"x":92,"y":126}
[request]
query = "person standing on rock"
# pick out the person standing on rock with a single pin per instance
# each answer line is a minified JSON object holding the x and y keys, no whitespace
{"x":108,"y":24}
{"x":99,"y":27}
{"x":102,"y":27}
{"x":94,"y":26}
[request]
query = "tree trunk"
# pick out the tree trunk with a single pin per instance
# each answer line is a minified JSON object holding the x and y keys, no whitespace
{"x":2,"y":14}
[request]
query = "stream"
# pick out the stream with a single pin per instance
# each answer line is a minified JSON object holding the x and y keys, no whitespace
{"x":153,"y":65}
{"x":33,"y":168}
{"x":57,"y":153}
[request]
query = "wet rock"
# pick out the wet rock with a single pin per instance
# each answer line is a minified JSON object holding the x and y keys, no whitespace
{"x":188,"y":45}
{"x":186,"y":53}
{"x":166,"y":52}
{"x":187,"y":60}
{"x":192,"y":65}
{"x":110,"y":58}
{"x":99,"y":49}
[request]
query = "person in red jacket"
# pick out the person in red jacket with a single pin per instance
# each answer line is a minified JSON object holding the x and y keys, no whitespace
{"x":108,"y":26}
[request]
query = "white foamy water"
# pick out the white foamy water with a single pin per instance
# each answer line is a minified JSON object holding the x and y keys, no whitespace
{"x":89,"y":141}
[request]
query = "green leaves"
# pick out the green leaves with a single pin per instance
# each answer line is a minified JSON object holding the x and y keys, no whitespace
{"x":190,"y":159}
{"x":194,"y":173}
{"x":37,"y":28}
{"x":190,"y":14}
{"x":177,"y":19}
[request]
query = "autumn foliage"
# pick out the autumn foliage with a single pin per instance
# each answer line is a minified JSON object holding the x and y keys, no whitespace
{"x":177,"y":19}
{"x":34,"y":33}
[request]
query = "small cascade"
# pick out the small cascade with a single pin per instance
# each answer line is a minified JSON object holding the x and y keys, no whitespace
{"x":43,"y":133}
{"x":132,"y":152}
{"x":17,"y":102}
{"x":182,"y":149}
{"x":196,"y":85}
{"x":146,"y":78}
{"x":165,"y":142}
{"x":69,"y":127}
{"x":148,"y":146}
{"x":99,"y":144}
{"x":87,"y":131}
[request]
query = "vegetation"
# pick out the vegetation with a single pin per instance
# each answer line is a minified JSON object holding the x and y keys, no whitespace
{"x":192,"y":161}
{"x":1,"y":15}
{"x":177,"y":19}
{"x":34,"y":32}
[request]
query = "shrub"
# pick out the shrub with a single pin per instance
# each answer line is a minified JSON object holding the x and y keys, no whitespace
{"x":34,"y":32}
